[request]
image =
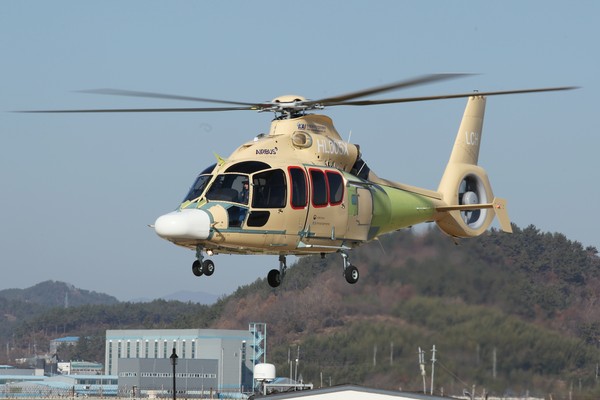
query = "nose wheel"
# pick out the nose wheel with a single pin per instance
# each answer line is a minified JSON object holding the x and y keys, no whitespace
{"x":202,"y":267}
{"x":206,"y":267}
{"x":197,"y":268}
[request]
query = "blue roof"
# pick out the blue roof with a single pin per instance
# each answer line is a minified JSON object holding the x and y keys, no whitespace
{"x":67,"y":339}
{"x":21,"y":378}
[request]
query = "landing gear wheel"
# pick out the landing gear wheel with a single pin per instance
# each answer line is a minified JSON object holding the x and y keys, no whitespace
{"x":208,"y":267}
{"x":274,"y":278}
{"x":351,"y":274}
{"x":196,"y":268}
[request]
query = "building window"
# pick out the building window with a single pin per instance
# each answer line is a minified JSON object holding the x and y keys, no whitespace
{"x":156,"y":349}
{"x":110,"y":356}
{"x":128,"y":349}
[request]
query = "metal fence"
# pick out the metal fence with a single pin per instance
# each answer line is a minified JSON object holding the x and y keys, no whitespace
{"x":92,"y":393}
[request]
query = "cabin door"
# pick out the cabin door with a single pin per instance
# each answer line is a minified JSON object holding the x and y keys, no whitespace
{"x":360,"y":212}
{"x":327,"y":214}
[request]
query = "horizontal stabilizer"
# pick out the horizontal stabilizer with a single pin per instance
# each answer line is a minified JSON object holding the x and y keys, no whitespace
{"x":498,"y":205}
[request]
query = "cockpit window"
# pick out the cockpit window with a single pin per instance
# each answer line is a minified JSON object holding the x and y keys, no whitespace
{"x":229,"y":187}
{"x":197,"y":188}
{"x":209,"y":169}
{"x":248,"y":167}
{"x":199,"y":184}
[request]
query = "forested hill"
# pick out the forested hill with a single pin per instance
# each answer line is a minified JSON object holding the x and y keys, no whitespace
{"x":20,"y":305}
{"x":57,"y":294}
{"x":530,"y":298}
{"x":508,"y":313}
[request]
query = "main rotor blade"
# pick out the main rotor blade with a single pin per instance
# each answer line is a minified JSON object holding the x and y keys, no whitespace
{"x":138,"y":110}
{"x":132,"y":93}
{"x":421,"y":80}
{"x":448,"y":96}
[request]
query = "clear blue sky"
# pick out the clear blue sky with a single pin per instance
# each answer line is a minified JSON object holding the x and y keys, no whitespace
{"x":78,"y":191}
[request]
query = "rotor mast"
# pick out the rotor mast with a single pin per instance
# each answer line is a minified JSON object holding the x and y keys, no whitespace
{"x":291,"y":106}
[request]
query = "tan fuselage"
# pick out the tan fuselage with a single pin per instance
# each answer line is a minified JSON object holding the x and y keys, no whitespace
{"x":309,"y":191}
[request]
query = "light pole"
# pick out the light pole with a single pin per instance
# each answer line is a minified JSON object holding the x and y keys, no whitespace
{"x":296,"y":376}
{"x":174,"y":364}
{"x":242,"y":364}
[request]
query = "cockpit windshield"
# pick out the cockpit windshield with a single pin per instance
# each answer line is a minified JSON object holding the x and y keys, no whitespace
{"x":199,"y":184}
{"x":197,"y":188}
{"x":229,"y":187}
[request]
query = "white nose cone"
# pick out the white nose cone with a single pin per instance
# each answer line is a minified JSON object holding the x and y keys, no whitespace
{"x":184,"y":224}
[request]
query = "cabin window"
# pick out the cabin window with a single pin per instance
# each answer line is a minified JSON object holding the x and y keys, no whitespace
{"x":336,"y":188}
{"x":258,"y":218}
{"x":269,"y":189}
{"x":236,"y":216}
{"x":319,"y":188}
{"x":299,"y":198}
{"x":327,"y":188}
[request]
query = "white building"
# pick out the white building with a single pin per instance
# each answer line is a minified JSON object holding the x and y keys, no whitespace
{"x":80,"y":368}
{"x":224,"y":357}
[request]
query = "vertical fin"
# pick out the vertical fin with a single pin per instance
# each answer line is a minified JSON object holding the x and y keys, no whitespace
{"x":464,"y":177}
{"x":468,"y":138}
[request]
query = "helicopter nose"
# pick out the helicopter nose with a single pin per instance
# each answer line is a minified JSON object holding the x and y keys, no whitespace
{"x":184,"y":224}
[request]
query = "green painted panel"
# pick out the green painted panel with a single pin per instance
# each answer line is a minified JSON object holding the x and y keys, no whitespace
{"x":394,"y":209}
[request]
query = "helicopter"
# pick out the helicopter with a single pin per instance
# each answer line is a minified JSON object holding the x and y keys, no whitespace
{"x":301,"y":189}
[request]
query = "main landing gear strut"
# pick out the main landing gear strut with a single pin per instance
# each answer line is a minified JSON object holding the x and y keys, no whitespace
{"x":201,"y":266}
{"x":276,"y":276}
